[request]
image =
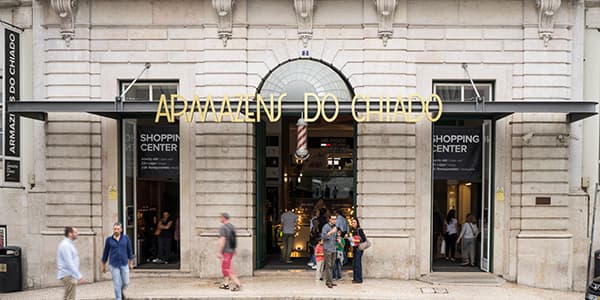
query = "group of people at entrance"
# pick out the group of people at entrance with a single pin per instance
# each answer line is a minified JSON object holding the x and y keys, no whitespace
{"x":331,"y":238}
{"x":469,"y":234}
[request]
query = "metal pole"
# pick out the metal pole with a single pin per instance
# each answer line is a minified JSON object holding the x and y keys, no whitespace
{"x":590,"y":258}
{"x":478,"y":97}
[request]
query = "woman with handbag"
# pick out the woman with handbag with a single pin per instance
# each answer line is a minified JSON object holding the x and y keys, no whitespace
{"x":468,"y":234}
{"x":358,"y":238}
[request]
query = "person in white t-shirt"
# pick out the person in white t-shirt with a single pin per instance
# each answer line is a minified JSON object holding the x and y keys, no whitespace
{"x":450,"y":234}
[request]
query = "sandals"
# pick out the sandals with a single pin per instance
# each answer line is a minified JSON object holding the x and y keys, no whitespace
{"x":224,"y":286}
{"x":235,"y":288}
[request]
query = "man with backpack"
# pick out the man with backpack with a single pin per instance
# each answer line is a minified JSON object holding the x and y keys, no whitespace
{"x":227,"y":244}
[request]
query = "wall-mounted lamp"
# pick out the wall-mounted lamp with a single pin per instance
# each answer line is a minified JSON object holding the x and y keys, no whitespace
{"x":31,"y":181}
{"x":527,"y":138}
{"x":562,"y":138}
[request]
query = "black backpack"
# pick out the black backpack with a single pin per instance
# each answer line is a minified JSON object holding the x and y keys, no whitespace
{"x":232,"y":237}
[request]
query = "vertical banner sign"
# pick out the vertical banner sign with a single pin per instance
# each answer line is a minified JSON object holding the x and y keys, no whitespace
{"x":12,"y":136}
{"x":457,"y":152}
{"x":158,"y":151}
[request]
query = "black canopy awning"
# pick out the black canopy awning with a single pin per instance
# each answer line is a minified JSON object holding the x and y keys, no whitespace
{"x":575,"y":110}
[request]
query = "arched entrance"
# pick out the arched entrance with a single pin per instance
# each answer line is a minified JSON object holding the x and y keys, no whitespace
{"x":326,"y":180}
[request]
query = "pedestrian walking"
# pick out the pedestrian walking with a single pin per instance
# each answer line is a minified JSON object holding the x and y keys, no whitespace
{"x":119,"y":254}
{"x":288,"y":226}
{"x":67,"y":263}
{"x":468,"y":234}
{"x":225,"y":252}
{"x":358,"y":236}
{"x":329,"y":236}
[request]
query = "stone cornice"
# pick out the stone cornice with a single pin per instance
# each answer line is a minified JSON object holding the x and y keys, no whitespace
{"x":385,"y":15}
{"x":592,"y":3}
{"x":66,"y":11}
{"x":224,"y":10}
{"x":12,"y":3}
{"x":547,"y":11}
{"x":304,"y":16}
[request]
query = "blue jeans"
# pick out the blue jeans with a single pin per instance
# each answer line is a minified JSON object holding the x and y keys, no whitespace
{"x":120,"y":278}
{"x":337,"y":269}
{"x":357,"y":265}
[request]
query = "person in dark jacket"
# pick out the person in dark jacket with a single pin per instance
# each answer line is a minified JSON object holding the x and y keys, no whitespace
{"x":358,"y":236}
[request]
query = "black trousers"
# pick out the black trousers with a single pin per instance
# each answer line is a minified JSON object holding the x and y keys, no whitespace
{"x":451,"y":244}
{"x":357,"y":265}
{"x":164,"y":247}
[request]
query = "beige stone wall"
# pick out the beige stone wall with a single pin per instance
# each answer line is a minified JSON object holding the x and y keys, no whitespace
{"x":223,"y":182}
{"x":541,"y":234}
{"x":77,"y":158}
{"x":386,"y":202}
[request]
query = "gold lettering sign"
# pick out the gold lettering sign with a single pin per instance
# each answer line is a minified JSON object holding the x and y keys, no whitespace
{"x":380,"y":109}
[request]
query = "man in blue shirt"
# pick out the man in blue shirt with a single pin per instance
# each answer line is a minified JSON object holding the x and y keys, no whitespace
{"x":117,"y":250}
{"x":67,"y":262}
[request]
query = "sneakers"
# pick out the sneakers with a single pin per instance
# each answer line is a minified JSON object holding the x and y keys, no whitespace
{"x":310,"y":264}
{"x":466,"y":263}
{"x":288,"y":261}
{"x":224,"y":286}
{"x":314,"y":267}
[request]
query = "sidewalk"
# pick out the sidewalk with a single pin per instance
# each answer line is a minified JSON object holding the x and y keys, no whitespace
{"x":289,"y":286}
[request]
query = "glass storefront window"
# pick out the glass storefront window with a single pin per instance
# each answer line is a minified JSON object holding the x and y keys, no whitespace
{"x":462,"y":91}
{"x":149,"y":91}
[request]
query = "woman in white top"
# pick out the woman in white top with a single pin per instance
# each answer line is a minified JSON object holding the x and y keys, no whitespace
{"x":450,"y":225}
{"x":469,"y":233}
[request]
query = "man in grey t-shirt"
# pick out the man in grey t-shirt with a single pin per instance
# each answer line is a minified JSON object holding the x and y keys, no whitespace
{"x":226,"y":251}
{"x":288,"y":226}
{"x":329,"y":236}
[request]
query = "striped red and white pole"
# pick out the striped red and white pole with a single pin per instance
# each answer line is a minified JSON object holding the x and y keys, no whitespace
{"x":302,"y":134}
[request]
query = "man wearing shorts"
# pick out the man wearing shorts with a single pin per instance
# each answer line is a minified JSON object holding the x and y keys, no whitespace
{"x":225,"y":253}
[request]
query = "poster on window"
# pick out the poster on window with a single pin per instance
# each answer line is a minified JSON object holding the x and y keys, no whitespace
{"x":457,"y":152}
{"x":158,"y":152}
{"x":11,"y":93}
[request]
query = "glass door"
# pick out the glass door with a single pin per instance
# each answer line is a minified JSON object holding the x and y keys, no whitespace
{"x":129,"y":182}
{"x":486,"y":195}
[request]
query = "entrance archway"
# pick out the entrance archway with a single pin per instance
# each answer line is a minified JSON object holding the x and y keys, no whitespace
{"x":327,"y":179}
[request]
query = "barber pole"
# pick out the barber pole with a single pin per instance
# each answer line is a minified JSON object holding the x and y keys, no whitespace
{"x":301,"y":151}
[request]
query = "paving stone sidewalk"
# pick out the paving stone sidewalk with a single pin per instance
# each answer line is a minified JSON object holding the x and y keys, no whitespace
{"x":297,"y":287}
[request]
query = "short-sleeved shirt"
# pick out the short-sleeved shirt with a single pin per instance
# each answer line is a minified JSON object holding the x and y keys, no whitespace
{"x":288,"y":221}
{"x":452,"y":226}
{"x":226,"y":231}
{"x":328,"y":241}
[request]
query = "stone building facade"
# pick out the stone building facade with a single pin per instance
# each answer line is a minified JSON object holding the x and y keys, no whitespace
{"x":530,"y":50}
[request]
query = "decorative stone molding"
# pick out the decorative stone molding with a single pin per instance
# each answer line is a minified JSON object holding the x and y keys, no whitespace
{"x":9,"y":3}
{"x":385,"y":13}
{"x":66,"y":10}
{"x":547,"y":12}
{"x":224,"y":10}
{"x":304,"y":16}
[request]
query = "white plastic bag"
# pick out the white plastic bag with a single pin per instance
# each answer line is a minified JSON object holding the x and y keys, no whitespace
{"x":443,"y":247}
